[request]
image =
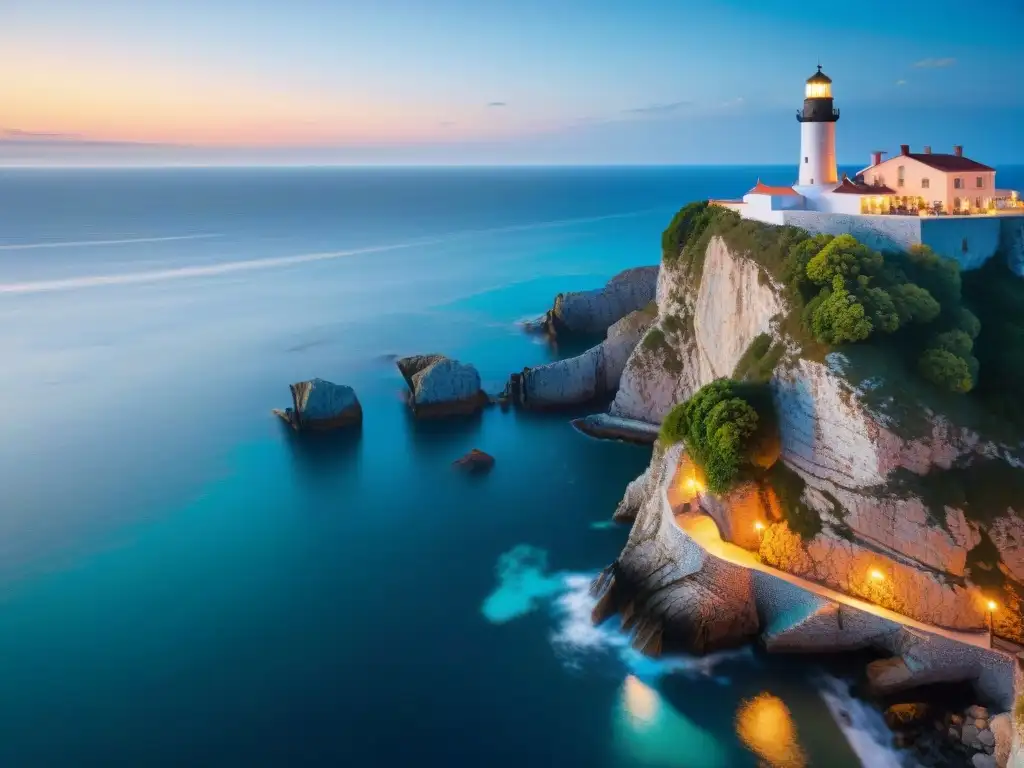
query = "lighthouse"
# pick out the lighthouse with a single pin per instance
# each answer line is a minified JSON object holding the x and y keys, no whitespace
{"x":818,"y":133}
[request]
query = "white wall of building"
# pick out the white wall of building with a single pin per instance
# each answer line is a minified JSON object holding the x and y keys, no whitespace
{"x":818,"y":154}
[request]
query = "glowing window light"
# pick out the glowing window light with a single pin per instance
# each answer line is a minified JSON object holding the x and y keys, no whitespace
{"x":818,"y":91}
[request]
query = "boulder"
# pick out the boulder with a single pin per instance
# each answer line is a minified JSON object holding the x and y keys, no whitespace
{"x":987,"y":738}
{"x":320,"y":405}
{"x":969,"y":735}
{"x":440,"y":386}
{"x":885,"y":675}
{"x":981,"y":760}
{"x":1002,"y":732}
{"x":475,"y":461}
{"x":594,"y":312}
{"x":976,"y":711}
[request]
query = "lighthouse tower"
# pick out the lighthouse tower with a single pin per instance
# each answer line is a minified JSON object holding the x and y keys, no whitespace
{"x":818,"y":133}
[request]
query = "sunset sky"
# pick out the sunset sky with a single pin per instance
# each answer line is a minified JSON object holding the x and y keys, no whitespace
{"x":530,"y":81}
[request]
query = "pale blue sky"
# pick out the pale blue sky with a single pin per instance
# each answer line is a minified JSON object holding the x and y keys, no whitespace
{"x":455,"y":81}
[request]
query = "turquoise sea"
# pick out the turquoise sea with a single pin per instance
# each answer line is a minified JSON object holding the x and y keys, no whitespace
{"x":184,"y":583}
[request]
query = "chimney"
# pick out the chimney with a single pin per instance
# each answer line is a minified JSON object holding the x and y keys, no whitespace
{"x":904,"y":149}
{"x":958,"y":150}
{"x":927,"y":150}
{"x":876,"y":158}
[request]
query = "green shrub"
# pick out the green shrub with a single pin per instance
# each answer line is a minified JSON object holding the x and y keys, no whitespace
{"x":718,"y":427}
{"x":673,"y":428}
{"x":845,"y":258}
{"x":944,"y":369}
{"x":654,"y":339}
{"x":955,"y":342}
{"x":837,"y":317}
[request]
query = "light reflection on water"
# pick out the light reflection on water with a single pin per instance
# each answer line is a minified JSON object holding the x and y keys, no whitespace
{"x":648,"y":730}
{"x":765,"y":726}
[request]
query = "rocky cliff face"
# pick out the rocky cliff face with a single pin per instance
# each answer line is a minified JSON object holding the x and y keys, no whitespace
{"x":586,"y":377}
{"x":846,"y":454}
{"x":701,"y":333}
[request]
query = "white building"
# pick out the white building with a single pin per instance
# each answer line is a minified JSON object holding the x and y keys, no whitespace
{"x":874,"y":212}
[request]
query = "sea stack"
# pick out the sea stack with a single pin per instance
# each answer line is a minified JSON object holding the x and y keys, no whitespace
{"x":320,"y":405}
{"x":440,"y":386}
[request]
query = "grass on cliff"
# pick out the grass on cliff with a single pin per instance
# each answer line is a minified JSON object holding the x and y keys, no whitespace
{"x":759,"y":360}
{"x":657,"y":345}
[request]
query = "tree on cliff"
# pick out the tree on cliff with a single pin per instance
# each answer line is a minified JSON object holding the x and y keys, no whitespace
{"x":853,"y":294}
{"x":718,"y":427}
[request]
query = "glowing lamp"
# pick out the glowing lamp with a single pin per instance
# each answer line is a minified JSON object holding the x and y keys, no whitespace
{"x":876,"y":575}
{"x":759,"y":526}
{"x":992,"y":605}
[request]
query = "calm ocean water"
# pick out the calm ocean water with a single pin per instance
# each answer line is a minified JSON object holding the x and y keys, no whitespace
{"x":181,"y":583}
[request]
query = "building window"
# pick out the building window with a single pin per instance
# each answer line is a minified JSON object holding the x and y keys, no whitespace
{"x":981,"y":182}
{"x":899,"y":176}
{"x":805,"y":161}
{"x":958,"y":183}
{"x":925,"y":183}
{"x":956,"y":203}
{"x":977,"y":202}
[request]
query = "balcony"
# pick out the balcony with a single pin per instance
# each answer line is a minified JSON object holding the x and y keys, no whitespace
{"x":818,"y":116}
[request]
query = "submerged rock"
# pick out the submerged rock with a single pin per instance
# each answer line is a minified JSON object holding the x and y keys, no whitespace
{"x":595,"y":311}
{"x":440,"y":386}
{"x":606,"y":427}
{"x":475,"y":461}
{"x":322,"y":405}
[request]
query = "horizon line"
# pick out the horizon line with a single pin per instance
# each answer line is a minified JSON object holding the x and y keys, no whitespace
{"x":330,"y":165}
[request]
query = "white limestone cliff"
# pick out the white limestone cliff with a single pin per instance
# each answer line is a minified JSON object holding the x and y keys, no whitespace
{"x":704,"y":330}
{"x":588,"y":376}
{"x":841,"y":447}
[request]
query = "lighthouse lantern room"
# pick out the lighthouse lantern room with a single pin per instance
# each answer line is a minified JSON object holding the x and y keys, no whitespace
{"x":818,"y":133}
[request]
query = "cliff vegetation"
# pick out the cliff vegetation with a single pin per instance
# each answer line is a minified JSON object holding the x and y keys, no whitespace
{"x":912,"y":334}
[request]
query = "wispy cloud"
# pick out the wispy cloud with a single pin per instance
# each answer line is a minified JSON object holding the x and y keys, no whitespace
{"x":20,"y":134}
{"x":935,"y":63}
{"x":497,"y":104}
{"x":657,"y":109}
{"x":901,"y":82}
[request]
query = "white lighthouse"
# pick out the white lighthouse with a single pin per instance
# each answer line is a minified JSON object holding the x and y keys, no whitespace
{"x":818,"y":133}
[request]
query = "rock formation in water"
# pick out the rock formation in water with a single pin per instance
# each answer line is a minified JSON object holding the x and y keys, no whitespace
{"x":476,"y":461}
{"x":585,"y":378}
{"x":593,"y":312}
{"x":320,"y":405}
{"x":440,"y":386}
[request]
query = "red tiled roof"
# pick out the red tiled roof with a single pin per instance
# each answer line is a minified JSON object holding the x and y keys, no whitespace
{"x":848,"y":187}
{"x":952,"y":163}
{"x":764,"y":189}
